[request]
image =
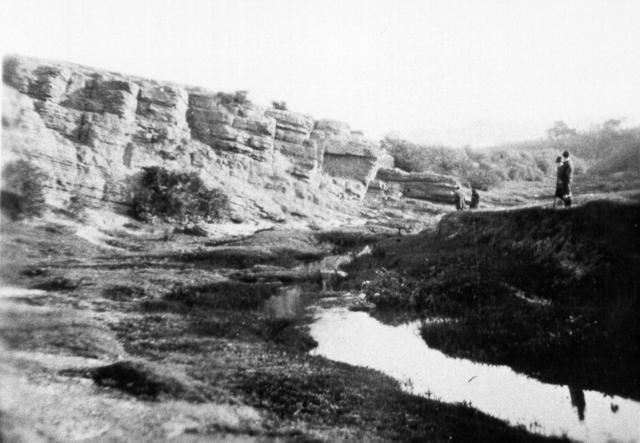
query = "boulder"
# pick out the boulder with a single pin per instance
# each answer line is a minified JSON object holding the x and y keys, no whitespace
{"x":346,"y":155}
{"x":429,"y":186}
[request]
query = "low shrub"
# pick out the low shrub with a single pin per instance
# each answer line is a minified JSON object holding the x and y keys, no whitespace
{"x":483,"y":178}
{"x":390,"y":290}
{"x":23,"y":190}
{"x":140,"y":380}
{"x":77,"y":204}
{"x":236,"y":98}
{"x":470,"y":166}
{"x":176,"y":196}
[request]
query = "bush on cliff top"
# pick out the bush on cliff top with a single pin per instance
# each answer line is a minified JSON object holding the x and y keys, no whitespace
{"x":23,"y":190}
{"x":240,"y":98}
{"x":176,"y":197}
{"x":281,"y":105}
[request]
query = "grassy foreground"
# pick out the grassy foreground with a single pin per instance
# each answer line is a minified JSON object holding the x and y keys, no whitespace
{"x":158,"y":339}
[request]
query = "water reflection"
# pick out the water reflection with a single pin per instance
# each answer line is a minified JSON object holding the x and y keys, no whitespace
{"x":291,"y":303}
{"x":399,"y":351}
{"x":577,"y":400}
{"x":327,"y":268}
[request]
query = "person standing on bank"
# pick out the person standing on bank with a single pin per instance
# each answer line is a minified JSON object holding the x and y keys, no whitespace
{"x":475,"y":199}
{"x":458,"y":198}
{"x":557,"y":197}
{"x":565,"y":173}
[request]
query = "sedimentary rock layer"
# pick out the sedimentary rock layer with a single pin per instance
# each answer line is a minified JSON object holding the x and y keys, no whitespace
{"x":93,"y":131}
{"x":421,"y":185}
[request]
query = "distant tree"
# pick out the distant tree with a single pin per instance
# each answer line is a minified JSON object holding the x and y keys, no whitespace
{"x":560,"y":130}
{"x":281,"y":106}
{"x":241,"y":97}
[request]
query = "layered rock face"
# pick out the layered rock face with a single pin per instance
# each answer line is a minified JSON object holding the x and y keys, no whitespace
{"x":436,"y":188}
{"x":93,"y":131}
{"x":346,"y":153}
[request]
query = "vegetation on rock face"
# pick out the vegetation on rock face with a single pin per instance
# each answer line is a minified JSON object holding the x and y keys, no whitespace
{"x":281,"y":105}
{"x":77,"y":204}
{"x":239,"y":98}
{"x":23,"y":189}
{"x":176,"y":196}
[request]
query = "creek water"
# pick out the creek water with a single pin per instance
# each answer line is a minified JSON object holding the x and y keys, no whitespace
{"x":399,"y":351}
{"x":292,"y":302}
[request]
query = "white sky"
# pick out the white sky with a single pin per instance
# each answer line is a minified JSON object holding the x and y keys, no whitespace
{"x":455,"y":72}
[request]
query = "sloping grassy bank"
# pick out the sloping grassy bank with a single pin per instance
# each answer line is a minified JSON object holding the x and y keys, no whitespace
{"x":553,"y":293}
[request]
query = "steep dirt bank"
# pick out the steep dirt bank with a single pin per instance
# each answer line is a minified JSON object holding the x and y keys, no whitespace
{"x":196,"y":355}
{"x":554,"y":293}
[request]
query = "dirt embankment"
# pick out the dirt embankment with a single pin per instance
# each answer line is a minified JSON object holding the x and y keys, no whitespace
{"x":554,"y":293}
{"x":147,"y":336}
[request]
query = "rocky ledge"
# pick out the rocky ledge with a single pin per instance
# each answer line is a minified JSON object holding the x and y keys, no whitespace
{"x":93,"y":131}
{"x":429,"y":186}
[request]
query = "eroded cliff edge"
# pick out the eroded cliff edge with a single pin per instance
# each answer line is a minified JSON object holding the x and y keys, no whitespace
{"x":94,"y":131}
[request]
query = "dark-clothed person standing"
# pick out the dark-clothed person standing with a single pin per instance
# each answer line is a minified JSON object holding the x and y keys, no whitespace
{"x":475,"y":199}
{"x":565,"y":173}
{"x":557,"y":197}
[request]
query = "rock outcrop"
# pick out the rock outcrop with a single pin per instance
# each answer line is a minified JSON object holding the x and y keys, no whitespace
{"x":93,"y":131}
{"x":346,"y":153}
{"x":428,"y":186}
{"x":293,"y":140}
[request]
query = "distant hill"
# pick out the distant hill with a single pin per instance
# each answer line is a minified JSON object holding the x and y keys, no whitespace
{"x":605,"y":152}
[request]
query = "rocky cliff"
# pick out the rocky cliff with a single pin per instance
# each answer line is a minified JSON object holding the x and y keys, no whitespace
{"x":437,"y":188}
{"x":93,"y":131}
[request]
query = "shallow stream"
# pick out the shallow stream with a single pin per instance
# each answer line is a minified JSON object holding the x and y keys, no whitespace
{"x":399,"y":351}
